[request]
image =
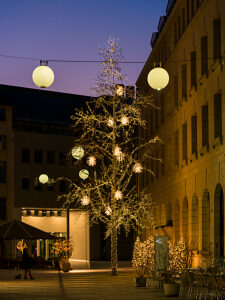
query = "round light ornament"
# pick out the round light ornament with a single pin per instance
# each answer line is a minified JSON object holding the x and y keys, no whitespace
{"x":83,"y":174}
{"x":77,"y":152}
{"x":158,"y":78}
{"x":43,"y":178}
{"x":43,"y":76}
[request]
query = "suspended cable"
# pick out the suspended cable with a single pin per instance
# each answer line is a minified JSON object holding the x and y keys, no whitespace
{"x":95,"y":61}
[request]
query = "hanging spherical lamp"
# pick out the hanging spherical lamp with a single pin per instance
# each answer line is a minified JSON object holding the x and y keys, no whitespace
{"x":83,"y":174}
{"x":43,"y":178}
{"x":158,"y":78}
{"x":78,"y":152}
{"x":43,"y":76}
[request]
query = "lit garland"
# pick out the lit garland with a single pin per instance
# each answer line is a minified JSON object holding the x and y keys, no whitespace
{"x":106,"y":127}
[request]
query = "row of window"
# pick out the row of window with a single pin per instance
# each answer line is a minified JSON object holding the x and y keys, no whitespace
{"x":28,"y":184}
{"x":39,"y":156}
{"x":42,"y":213}
{"x":159,"y":168}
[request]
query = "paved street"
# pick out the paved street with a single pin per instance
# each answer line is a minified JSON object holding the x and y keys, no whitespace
{"x":77,"y":284}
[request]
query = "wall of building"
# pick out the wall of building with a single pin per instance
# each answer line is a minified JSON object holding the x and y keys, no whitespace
{"x":188,"y":189}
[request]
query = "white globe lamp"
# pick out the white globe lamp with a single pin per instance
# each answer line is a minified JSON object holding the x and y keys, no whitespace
{"x":77,"y":152}
{"x":83,"y":174}
{"x":43,"y":76}
{"x":43,"y":178}
{"x":158,"y":78}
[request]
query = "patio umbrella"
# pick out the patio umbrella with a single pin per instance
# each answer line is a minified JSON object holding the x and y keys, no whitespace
{"x":16,"y":229}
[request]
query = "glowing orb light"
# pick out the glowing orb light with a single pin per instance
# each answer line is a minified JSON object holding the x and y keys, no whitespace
{"x":43,"y":76}
{"x":83,"y":174}
{"x":43,"y":178}
{"x":158,"y":78}
{"x":78,"y":152}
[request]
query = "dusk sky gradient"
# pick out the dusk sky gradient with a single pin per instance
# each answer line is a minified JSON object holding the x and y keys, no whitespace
{"x":74,"y":30}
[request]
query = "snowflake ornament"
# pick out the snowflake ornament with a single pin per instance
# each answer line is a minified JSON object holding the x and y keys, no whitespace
{"x":91,"y":161}
{"x":85,"y":200}
{"x":137,"y":168}
{"x":118,"y":195}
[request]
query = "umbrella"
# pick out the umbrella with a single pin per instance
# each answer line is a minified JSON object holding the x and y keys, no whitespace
{"x":16,"y":229}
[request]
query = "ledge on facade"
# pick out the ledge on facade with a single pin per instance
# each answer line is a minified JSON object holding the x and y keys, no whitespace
{"x":193,"y":156}
{"x":215,"y":65}
{"x":184,"y":163}
{"x":217,"y":141}
{"x":203,"y":78}
{"x":204,"y":150}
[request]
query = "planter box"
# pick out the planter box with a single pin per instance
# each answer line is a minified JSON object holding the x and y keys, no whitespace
{"x":140,"y":281}
{"x":171,"y":289}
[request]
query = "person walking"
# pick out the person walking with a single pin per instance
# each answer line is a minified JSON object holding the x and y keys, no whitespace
{"x":26,"y":264}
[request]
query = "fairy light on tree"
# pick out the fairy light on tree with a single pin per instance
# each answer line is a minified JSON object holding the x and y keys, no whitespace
{"x":113,"y":194}
{"x":91,"y":161}
{"x":85,"y":200}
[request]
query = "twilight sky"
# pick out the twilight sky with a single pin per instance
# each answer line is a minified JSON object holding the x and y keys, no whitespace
{"x":73,"y":30}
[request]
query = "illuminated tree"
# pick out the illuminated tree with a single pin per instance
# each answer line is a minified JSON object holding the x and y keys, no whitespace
{"x":110,"y":154}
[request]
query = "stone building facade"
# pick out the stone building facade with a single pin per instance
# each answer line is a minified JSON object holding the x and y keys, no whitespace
{"x":188,"y":187}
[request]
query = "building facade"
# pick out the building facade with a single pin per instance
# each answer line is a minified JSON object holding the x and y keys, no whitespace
{"x":188,"y":187}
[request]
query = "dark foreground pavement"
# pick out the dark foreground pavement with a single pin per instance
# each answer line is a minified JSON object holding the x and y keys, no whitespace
{"x":77,"y":284}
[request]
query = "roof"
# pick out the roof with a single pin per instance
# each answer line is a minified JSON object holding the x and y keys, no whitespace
{"x":40,"y":105}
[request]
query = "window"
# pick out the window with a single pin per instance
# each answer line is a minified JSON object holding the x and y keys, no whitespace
{"x":175,"y":34}
{"x":25,"y":183}
{"x":2,"y":171}
{"x":183,"y":20}
{"x":50,"y":157}
{"x":2,"y":114}
{"x":2,"y":208}
{"x":163,"y":159}
{"x":38,"y":156}
{"x":162,"y":107}
{"x":2,"y":142}
{"x":37,"y":185}
{"x":217,"y":116}
{"x":197,"y":4}
{"x":179,"y":27}
{"x":216,"y":39}
{"x":62,"y":186}
{"x":188,"y":14}
{"x":184,"y":82}
{"x":176,"y":148}
{"x":192,"y":8}
{"x":204,"y":56}
{"x":36,"y":212}
{"x":62,"y":158}
{"x":50,"y":187}
{"x":25,"y":155}
{"x":205,"y":126}
{"x":175,"y":90}
{"x":184,"y":142}
{"x":194,"y":134}
{"x":193,"y":70}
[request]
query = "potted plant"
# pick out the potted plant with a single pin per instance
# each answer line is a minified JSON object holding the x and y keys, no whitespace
{"x":63,"y":248}
{"x":177,"y":264}
{"x":143,"y":260}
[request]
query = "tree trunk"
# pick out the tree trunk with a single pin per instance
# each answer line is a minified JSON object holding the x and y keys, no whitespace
{"x":114,"y":258}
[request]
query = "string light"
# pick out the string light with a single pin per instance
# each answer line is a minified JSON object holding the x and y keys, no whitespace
{"x":108,"y":211}
{"x":110,"y":122}
{"x":124,"y":120}
{"x":118,"y":195}
{"x":137,"y":168}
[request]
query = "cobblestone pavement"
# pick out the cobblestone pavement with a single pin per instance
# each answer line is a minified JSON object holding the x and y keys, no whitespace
{"x":77,"y":284}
